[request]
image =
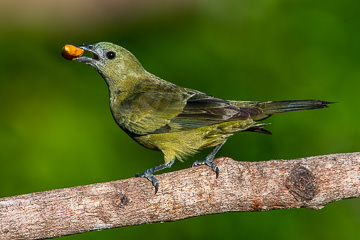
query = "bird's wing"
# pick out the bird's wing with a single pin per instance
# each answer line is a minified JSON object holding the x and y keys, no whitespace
{"x":203,"y":110}
{"x":151,"y":111}
{"x":160,"y":112}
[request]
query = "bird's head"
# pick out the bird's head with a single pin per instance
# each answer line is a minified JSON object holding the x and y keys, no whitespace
{"x":111,"y":61}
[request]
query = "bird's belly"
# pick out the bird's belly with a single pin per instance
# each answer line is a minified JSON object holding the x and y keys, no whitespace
{"x":183,"y":143}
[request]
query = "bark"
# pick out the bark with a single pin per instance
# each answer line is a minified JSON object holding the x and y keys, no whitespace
{"x":242,"y":186}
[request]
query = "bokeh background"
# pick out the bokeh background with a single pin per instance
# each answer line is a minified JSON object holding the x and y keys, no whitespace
{"x":56,"y":129}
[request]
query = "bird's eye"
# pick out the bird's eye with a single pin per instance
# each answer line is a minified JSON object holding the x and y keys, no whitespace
{"x":110,"y":55}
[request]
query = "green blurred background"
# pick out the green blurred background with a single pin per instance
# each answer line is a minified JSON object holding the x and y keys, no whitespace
{"x":56,"y":129}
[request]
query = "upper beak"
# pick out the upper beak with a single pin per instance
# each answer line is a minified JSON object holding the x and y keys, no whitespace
{"x":85,"y":59}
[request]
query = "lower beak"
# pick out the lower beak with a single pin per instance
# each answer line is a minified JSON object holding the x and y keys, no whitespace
{"x":85,"y":59}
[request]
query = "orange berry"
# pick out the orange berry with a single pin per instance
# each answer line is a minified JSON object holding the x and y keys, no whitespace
{"x":69,"y":52}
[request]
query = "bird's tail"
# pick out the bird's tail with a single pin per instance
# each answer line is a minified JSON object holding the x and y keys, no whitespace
{"x":274,"y":107}
{"x":270,"y":108}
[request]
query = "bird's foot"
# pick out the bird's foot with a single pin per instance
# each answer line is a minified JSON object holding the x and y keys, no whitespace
{"x":209,"y":159}
{"x":208,"y":162}
{"x":149,"y":175}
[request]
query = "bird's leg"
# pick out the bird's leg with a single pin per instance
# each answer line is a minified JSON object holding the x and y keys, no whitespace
{"x":149,"y":173}
{"x":209,"y":159}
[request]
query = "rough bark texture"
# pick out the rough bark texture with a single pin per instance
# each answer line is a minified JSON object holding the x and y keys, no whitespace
{"x":242,"y":186}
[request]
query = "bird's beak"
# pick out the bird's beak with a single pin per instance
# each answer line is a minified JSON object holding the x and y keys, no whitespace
{"x":85,"y":59}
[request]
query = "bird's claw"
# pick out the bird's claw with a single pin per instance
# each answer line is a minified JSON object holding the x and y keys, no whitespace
{"x":208,"y":162}
{"x":151,"y":178}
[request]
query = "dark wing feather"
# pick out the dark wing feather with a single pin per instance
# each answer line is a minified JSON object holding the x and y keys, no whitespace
{"x":203,"y":110}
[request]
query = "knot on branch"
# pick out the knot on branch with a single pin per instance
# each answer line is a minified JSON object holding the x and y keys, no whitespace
{"x":301,"y":183}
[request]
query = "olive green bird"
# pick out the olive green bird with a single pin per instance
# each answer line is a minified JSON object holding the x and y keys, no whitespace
{"x":177,"y":121}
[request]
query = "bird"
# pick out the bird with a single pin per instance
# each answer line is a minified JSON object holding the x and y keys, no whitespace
{"x":174,"y":120}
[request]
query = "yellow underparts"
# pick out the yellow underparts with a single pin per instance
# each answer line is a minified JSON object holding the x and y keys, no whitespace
{"x":184,"y":143}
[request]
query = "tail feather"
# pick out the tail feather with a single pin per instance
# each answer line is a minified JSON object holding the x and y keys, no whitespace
{"x":270,"y":108}
{"x":259,"y":128}
{"x":273,"y":107}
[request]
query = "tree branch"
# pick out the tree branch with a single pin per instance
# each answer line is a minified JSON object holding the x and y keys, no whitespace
{"x":242,"y":186}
